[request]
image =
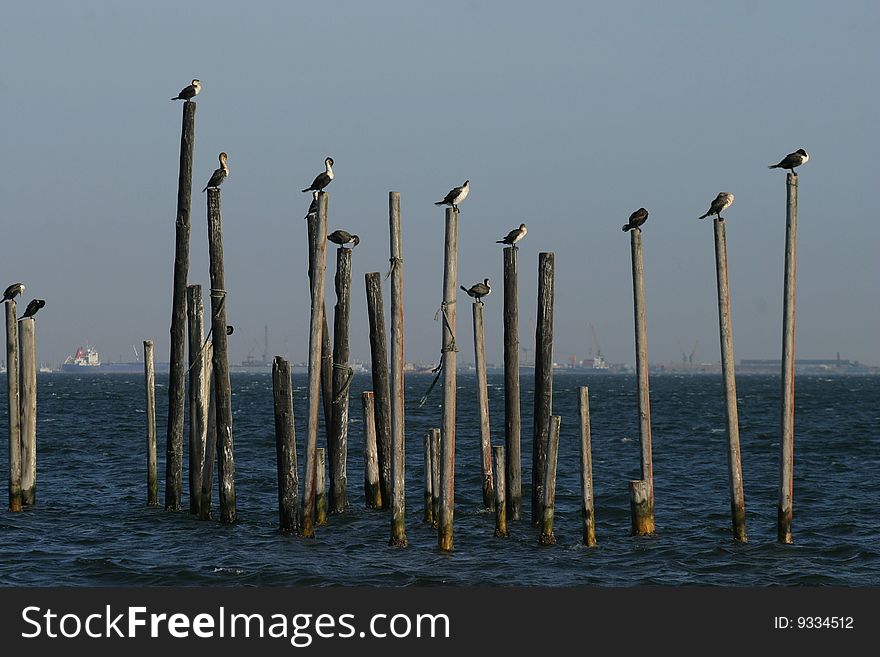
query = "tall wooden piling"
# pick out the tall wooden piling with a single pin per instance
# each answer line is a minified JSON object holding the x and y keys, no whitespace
{"x":208,"y":464}
{"x":198,"y":398}
{"x":318,"y":251}
{"x":379,"y":369}
{"x":500,"y":503}
{"x":220,"y":361}
{"x":435,"y":477}
{"x":177,"y":365}
{"x":549,"y":502}
{"x":14,"y":400}
{"x":483,"y":402}
{"x":587,"y":505}
{"x":150,"y":385}
{"x":429,"y":482}
{"x":786,"y":441}
{"x":321,"y":487}
{"x":398,"y":461}
{"x":342,"y":375}
{"x":512,"y":425}
{"x":543,"y":382}
{"x":372,"y":489}
{"x":734,"y":463}
{"x":642,"y":491}
{"x":285,"y":446}
{"x":28,"y":374}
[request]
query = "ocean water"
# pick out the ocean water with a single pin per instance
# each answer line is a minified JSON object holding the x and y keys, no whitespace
{"x":91,"y":525}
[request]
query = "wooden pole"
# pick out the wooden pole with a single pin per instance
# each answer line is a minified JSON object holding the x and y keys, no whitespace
{"x":379,"y":360}
{"x":220,"y":361}
{"x":318,"y":248}
{"x":210,"y":439}
{"x":150,"y":385}
{"x":198,"y":400}
{"x":786,"y":442}
{"x":435,"y":477}
{"x":513,"y":469}
{"x":398,"y":459}
{"x":734,"y":463}
{"x":449,"y":351}
{"x":177,"y":378}
{"x":342,"y":376}
{"x":285,"y":446}
{"x":543,"y":382}
{"x":549,"y":502}
{"x":372,"y":488}
{"x":28,"y":375}
{"x":14,"y":400}
{"x":500,"y":503}
{"x":321,"y":486}
{"x":587,"y":507}
{"x":483,"y":402}
{"x":642,"y":492}
{"x":429,"y":482}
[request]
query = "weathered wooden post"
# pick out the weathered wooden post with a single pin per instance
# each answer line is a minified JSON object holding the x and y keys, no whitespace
{"x":500,"y":503}
{"x":398,"y":461}
{"x":14,"y":407}
{"x":435,"y":477}
{"x":198,"y":398}
{"x":379,"y":368}
{"x":176,"y":381}
{"x":786,"y":442}
{"x":342,"y":376}
{"x":210,"y":440}
{"x":150,"y":384}
{"x":513,"y":469}
{"x":28,"y":375}
{"x":587,"y":506}
{"x":483,"y":402}
{"x":220,"y":361}
{"x":321,"y":486}
{"x":285,"y":446}
{"x":641,"y":491}
{"x":429,"y":485}
{"x":318,"y":249}
{"x":549,"y":502}
{"x":734,"y":463}
{"x":372,"y":489}
{"x":543,"y":382}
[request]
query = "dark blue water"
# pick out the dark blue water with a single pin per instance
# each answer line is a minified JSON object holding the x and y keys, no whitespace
{"x":91,"y":525}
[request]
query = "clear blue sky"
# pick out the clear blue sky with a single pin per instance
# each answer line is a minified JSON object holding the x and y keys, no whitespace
{"x":565,"y":115}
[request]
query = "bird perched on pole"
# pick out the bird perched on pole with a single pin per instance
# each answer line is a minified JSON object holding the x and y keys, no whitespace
{"x":32,"y":308}
{"x":220,"y":174}
{"x":478,"y":290}
{"x":514,"y":236}
{"x":12,"y":291}
{"x":322,"y":179}
{"x":190,"y":91}
{"x":792,"y":160}
{"x":342,"y":237}
{"x":723,"y":201}
{"x":456,"y":195}
{"x":636,"y":219}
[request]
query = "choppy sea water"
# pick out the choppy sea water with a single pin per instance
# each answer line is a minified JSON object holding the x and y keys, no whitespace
{"x":91,"y":525}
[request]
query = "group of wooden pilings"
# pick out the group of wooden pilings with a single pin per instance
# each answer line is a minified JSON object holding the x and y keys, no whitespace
{"x":21,"y":386}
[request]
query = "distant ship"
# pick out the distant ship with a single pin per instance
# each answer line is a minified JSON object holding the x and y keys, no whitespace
{"x":87,"y":360}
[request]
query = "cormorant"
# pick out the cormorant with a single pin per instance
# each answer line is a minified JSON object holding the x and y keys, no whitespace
{"x":220,"y":174}
{"x":341,"y":237}
{"x":723,"y":201}
{"x":636,"y":219}
{"x":12,"y":291}
{"x":792,"y":160}
{"x":479,"y":290}
{"x":456,"y":195}
{"x":32,"y":308}
{"x":189,"y":92}
{"x":514,"y":236}
{"x":322,"y":179}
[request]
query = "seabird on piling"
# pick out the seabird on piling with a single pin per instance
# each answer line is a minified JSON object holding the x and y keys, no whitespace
{"x":322,"y":179}
{"x":479,"y":290}
{"x":456,"y":195}
{"x":32,"y":308}
{"x":792,"y":160}
{"x":313,"y":206}
{"x":723,"y":201}
{"x":220,"y":174}
{"x":12,"y":291}
{"x":514,"y":236}
{"x":636,"y":219}
{"x":341,"y":237}
{"x":189,"y":92}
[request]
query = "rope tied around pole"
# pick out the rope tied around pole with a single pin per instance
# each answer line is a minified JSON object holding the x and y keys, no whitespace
{"x":451,"y":347}
{"x":395,"y":262}
{"x":345,"y":386}
{"x":215,"y":292}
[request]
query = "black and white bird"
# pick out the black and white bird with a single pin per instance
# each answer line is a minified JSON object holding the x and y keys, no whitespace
{"x":479,"y":290}
{"x":342,"y":237}
{"x":313,"y":206}
{"x":322,"y":179}
{"x":723,"y":201}
{"x":13,"y":291}
{"x":190,"y":91}
{"x":220,"y":174}
{"x":514,"y":236}
{"x":792,"y":160}
{"x":32,"y":308}
{"x":636,"y":219}
{"x":456,"y":195}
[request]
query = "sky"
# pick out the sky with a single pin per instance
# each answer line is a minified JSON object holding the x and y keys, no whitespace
{"x":567,"y":116}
